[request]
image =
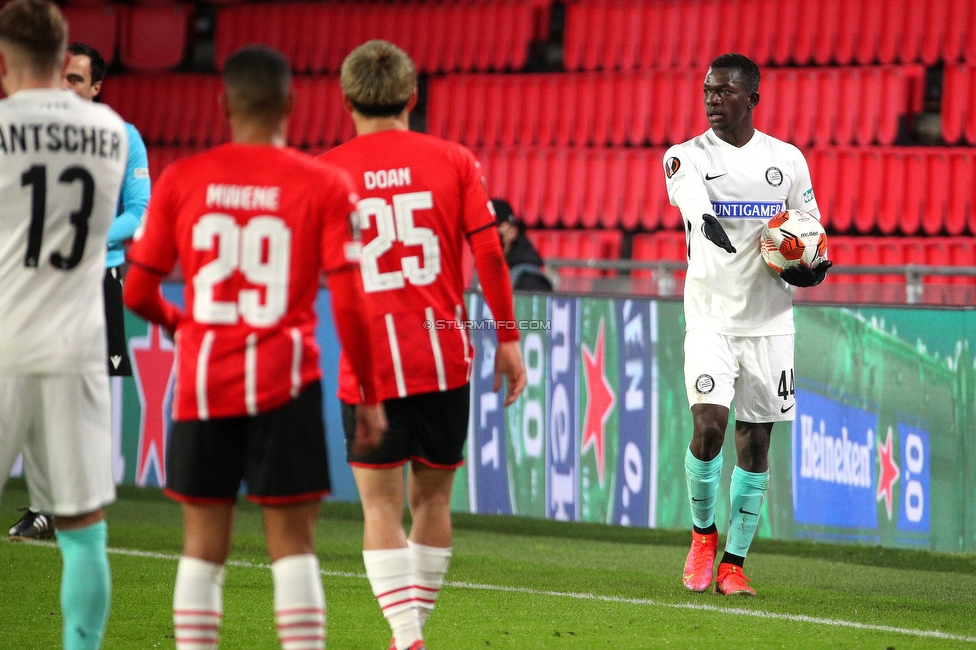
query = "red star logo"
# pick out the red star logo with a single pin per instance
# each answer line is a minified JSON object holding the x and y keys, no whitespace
{"x":152,"y":365}
{"x":887,"y":473}
{"x":600,"y":399}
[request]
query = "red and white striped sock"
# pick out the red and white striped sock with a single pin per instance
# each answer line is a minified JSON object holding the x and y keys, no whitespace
{"x":198,"y":603}
{"x":429,"y":567}
{"x":390,"y":573}
{"x":299,"y":602}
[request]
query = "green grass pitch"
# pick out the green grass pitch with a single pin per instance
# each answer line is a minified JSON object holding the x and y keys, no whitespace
{"x":515,"y":583}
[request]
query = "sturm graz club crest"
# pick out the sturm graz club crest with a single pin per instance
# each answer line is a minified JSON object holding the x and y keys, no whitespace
{"x":774,"y":176}
{"x":704,"y":384}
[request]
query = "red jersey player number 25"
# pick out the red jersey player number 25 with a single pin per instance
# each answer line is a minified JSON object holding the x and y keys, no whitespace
{"x":395,"y":223}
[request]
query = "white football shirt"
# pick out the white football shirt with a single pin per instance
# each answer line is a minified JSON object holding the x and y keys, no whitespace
{"x":62,"y":160}
{"x":736,"y":294}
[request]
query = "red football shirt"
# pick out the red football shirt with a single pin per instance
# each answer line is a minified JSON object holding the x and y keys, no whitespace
{"x":420,"y":196}
{"x":252,"y":227}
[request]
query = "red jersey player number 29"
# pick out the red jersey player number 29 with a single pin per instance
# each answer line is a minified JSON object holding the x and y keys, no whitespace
{"x":396,"y":223}
{"x":261,"y":251}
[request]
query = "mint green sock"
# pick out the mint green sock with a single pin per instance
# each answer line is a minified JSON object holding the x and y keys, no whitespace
{"x":747,"y":493}
{"x":702,"y":477}
{"x":86,"y":586}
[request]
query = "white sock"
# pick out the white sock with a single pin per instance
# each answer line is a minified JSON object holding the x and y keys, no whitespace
{"x":390,"y":573}
{"x":198,"y":603}
{"x":429,"y":567}
{"x":299,"y":602}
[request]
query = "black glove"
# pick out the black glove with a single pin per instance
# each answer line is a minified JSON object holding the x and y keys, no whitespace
{"x":802,"y":275}
{"x":715,"y":233}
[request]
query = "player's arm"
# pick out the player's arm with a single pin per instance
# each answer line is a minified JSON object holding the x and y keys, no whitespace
{"x":341,"y":253}
{"x":801,"y":197}
{"x":489,"y":260}
{"x":135,"y":190}
{"x":143,"y":296}
{"x":687,"y":192}
{"x":151,"y":257}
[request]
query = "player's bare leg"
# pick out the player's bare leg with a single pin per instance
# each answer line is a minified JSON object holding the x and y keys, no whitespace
{"x":198,"y":600}
{"x":86,"y":583}
{"x":389,"y":565}
{"x":299,"y":599}
{"x":430,"y":534}
{"x":703,"y":468}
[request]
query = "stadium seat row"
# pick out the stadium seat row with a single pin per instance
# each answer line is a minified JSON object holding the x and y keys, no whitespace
{"x":677,"y":33}
{"x":440,"y":37}
{"x":579,"y":187}
{"x":184,"y":109}
{"x":147,"y":38}
{"x":807,"y":106}
{"x":959,"y":104}
{"x":893,"y":190}
{"x":898,"y":190}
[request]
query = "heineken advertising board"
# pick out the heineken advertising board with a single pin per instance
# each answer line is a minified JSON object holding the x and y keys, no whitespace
{"x":878,"y":453}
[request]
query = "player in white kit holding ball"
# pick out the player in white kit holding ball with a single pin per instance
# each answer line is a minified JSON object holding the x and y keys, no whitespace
{"x":727,"y":183}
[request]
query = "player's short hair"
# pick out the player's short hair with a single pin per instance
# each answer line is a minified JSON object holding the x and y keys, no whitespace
{"x":39,"y":30}
{"x":378,"y":78}
{"x":98,"y":67}
{"x":746,"y":67}
{"x":257,"y":82}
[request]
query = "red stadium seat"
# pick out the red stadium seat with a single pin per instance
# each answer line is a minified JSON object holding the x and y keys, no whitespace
{"x":960,"y":212}
{"x":867,"y":30}
{"x":893,"y":197}
{"x":611,"y":210}
{"x":826,"y":182}
{"x":593,"y":189}
{"x":635,"y":186}
{"x":935,"y":200}
{"x":917,"y":173}
{"x":871,"y":190}
{"x":848,"y":190}
{"x":577,"y":29}
{"x":96,"y":25}
{"x":561,"y":191}
{"x":892,"y":20}
{"x":957,"y":89}
{"x":826,"y":33}
{"x":154,"y":38}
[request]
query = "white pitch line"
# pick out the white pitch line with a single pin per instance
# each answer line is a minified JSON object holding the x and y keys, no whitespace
{"x":734,"y":611}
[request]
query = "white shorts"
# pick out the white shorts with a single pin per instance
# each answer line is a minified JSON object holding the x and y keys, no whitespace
{"x":63,"y":424}
{"x":757,"y":371}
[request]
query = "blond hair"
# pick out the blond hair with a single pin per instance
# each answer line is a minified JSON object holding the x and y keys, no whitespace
{"x":378,"y":78}
{"x":38,"y":29}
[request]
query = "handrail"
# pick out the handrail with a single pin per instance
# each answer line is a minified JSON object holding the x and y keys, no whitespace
{"x":913,"y":273}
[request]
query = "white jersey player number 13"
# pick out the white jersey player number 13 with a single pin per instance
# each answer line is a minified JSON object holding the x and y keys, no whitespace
{"x":36,"y":179}
{"x":396,"y":223}
{"x":260,"y":250}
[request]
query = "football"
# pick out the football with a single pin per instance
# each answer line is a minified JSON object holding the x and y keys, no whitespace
{"x":793,"y":237}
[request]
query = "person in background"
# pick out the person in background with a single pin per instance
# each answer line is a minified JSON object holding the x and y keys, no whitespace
{"x":84,"y":74}
{"x":525,"y":265}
